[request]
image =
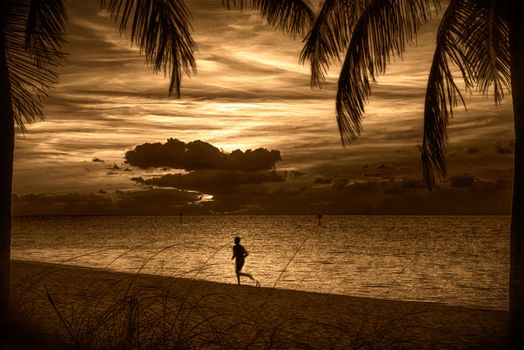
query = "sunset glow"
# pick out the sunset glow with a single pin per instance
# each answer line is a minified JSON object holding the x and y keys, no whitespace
{"x":249,"y":92}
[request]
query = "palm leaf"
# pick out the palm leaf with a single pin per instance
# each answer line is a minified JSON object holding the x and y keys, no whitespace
{"x":329,"y":37}
{"x":473,"y":37}
{"x":486,"y":42}
{"x":292,"y":16}
{"x":162,"y":31}
{"x":382,"y":31}
{"x":34,"y":35}
{"x":442,"y":93}
{"x":45,"y":31}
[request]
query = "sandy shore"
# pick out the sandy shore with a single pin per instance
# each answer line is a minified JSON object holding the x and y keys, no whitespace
{"x":94,"y":307}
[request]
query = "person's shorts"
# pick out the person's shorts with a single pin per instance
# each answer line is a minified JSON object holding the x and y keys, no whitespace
{"x":239,"y":264}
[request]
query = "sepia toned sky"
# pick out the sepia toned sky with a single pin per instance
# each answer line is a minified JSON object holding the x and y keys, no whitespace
{"x":250,"y":92}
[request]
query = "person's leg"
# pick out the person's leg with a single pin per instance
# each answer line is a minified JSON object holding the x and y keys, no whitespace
{"x":238,"y":268}
{"x":247,"y":275}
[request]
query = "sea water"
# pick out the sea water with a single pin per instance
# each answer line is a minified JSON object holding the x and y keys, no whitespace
{"x":456,"y":260}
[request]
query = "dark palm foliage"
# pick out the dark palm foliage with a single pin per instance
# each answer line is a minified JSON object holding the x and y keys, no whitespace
{"x":32,"y":34}
{"x":478,"y":39}
{"x":473,"y":37}
{"x":481,"y":40}
{"x":162,"y":31}
{"x":292,"y":16}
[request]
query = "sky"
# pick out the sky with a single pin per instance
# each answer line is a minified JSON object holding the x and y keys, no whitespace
{"x":250,"y":93}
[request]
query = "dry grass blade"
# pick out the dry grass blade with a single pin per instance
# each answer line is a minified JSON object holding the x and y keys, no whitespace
{"x":66,"y":324}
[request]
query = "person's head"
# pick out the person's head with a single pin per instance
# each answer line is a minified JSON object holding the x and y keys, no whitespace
{"x":237,"y":240}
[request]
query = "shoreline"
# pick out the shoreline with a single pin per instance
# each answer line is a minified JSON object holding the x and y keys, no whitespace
{"x":249,"y":314}
{"x":123,"y":274}
{"x":313,"y":215}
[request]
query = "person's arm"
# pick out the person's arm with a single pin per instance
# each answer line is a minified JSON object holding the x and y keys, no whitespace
{"x":245,"y":253}
{"x":233,"y":254}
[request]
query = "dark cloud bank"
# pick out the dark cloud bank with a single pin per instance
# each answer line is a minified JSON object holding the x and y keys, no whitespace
{"x":199,"y":155}
{"x":247,"y":182}
{"x":461,"y":195}
{"x":147,"y":202}
{"x":209,"y":169}
{"x":212,"y":181}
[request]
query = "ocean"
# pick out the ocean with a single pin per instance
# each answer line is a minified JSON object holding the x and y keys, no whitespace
{"x":455,"y":260}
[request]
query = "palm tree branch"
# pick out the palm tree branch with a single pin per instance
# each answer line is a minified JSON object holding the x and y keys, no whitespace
{"x":162,"y":31}
{"x":473,"y":36}
{"x":292,"y":16}
{"x":45,"y":32}
{"x":486,"y":42}
{"x":442,"y":93}
{"x":382,"y":31}
{"x":329,"y":36}
{"x":34,"y":35}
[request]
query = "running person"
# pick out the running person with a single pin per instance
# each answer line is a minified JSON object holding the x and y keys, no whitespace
{"x":240,"y":253}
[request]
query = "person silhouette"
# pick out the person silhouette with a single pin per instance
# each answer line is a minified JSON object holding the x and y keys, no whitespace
{"x":240,"y":253}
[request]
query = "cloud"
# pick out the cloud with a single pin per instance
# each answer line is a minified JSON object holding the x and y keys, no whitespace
{"x":392,"y":197}
{"x":486,"y":186}
{"x":198,"y":155}
{"x":383,"y":166}
{"x":148,"y":202}
{"x":340,"y":184}
{"x":212,"y":181}
{"x":412,"y":184}
{"x":158,"y":201}
{"x":462,"y":181}
{"x":250,"y":91}
{"x":472,"y":150}
{"x":505,"y":147}
{"x":62,"y":204}
{"x":323,"y":180}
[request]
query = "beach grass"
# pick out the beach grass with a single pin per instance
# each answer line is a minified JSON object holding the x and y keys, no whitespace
{"x":64,"y":307}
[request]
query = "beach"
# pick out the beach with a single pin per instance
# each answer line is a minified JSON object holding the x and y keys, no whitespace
{"x":75,"y":307}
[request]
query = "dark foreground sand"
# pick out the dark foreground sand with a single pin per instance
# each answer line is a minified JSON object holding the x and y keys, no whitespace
{"x":80,"y":307}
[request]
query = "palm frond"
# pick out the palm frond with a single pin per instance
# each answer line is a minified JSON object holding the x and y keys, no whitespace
{"x":162,"y":31}
{"x":473,"y":36}
{"x":45,"y":32}
{"x":486,"y":43}
{"x":292,"y":16}
{"x":442,"y":93}
{"x":329,"y":36}
{"x":34,"y":35}
{"x":383,"y":30}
